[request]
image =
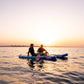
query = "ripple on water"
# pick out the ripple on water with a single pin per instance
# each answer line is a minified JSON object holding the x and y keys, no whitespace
{"x":75,"y":77}
{"x":3,"y":82}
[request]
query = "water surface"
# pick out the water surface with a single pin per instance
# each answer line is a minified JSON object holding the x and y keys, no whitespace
{"x":17,"y":71}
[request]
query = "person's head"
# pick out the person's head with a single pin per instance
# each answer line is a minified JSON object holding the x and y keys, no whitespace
{"x":41,"y":45}
{"x":31,"y":45}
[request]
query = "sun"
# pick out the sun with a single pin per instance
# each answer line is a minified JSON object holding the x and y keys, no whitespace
{"x":47,"y":36}
{"x":46,"y":39}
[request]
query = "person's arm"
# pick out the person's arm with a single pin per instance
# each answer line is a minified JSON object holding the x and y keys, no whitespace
{"x":28,"y":51}
{"x":38,"y":51}
{"x":46,"y":52}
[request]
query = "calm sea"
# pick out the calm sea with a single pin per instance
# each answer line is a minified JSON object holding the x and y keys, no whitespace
{"x":17,"y":71}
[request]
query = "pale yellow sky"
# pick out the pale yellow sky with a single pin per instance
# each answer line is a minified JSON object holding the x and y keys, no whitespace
{"x":48,"y":22}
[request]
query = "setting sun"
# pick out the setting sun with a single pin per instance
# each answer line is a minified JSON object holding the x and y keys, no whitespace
{"x":48,"y":37}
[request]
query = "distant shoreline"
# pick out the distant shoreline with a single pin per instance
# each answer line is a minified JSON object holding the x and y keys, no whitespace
{"x":35,"y":46}
{"x":14,"y":46}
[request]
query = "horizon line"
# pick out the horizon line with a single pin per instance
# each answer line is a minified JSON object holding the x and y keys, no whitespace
{"x":34,"y":46}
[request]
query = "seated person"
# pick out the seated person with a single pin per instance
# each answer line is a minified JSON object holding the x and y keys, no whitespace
{"x":42,"y":51}
{"x":31,"y":50}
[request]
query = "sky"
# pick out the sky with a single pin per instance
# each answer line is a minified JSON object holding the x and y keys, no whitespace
{"x":48,"y":22}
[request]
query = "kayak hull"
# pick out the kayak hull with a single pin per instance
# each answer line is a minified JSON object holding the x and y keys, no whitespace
{"x":43,"y":57}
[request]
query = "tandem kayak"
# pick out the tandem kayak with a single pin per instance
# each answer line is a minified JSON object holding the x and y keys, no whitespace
{"x":44,"y":57}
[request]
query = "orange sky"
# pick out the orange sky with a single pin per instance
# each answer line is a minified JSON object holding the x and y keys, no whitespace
{"x":48,"y":22}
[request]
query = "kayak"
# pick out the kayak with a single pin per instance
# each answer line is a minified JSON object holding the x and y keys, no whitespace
{"x":44,"y":57}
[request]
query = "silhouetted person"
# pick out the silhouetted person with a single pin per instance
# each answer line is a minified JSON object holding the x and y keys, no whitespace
{"x":31,"y":50}
{"x":42,"y":51}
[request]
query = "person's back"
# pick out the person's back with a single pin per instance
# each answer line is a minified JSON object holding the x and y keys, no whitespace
{"x":42,"y":51}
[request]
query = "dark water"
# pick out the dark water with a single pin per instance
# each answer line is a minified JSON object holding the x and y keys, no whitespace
{"x":16,"y":71}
